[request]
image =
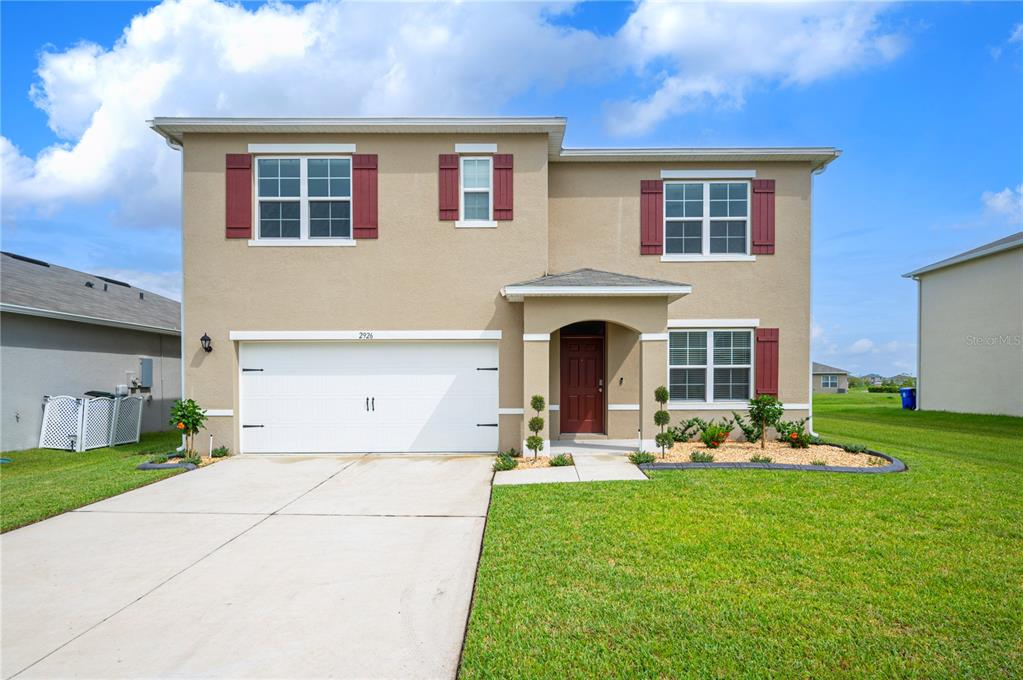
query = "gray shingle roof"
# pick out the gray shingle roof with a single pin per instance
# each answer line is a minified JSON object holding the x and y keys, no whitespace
{"x":824,"y":368}
{"x":595,"y":277}
{"x":38,"y":285}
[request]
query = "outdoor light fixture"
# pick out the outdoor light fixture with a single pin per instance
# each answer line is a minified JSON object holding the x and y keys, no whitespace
{"x":206,"y":342}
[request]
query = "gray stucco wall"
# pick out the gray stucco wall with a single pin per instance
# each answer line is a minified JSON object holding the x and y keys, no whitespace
{"x":40,"y":356}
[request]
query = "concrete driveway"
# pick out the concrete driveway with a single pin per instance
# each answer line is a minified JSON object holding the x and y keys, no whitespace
{"x":270,"y":567}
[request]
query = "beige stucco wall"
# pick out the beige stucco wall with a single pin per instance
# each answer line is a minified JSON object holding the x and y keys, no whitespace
{"x":971,"y":336}
{"x":818,"y":384}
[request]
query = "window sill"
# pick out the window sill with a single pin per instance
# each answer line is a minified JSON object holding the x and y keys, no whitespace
{"x":476,"y":224}
{"x":708,"y":405}
{"x":708,"y":258}
{"x":313,"y":243}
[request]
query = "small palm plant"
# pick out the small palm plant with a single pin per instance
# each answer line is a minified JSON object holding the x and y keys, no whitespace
{"x":535,"y":442}
{"x":664,"y":439}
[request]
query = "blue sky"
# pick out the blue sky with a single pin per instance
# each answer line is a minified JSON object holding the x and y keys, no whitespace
{"x":924,"y":99}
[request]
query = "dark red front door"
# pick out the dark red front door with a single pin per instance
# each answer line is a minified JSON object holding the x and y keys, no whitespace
{"x":582,"y":384}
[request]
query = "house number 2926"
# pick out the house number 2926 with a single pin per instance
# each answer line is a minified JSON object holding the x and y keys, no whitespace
{"x":365,"y":335}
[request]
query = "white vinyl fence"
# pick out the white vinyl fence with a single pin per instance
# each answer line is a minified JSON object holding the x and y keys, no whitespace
{"x":76,"y":424}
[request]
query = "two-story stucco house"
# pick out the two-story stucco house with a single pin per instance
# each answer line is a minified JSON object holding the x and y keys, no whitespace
{"x":406,"y":285}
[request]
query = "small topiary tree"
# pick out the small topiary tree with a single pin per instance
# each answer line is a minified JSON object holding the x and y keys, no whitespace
{"x":765,"y":411}
{"x":535,"y":442}
{"x":664,"y":439}
{"x":188,"y":418}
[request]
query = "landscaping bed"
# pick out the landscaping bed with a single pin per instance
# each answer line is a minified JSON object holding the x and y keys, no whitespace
{"x":778,"y":452}
{"x":528,"y":462}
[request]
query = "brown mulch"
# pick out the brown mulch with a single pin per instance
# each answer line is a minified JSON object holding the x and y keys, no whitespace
{"x":526,"y":462}
{"x":779,"y":452}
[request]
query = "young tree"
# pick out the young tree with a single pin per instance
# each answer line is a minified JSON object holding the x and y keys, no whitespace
{"x":535,"y":442}
{"x":188,"y":418}
{"x":765,"y":410}
{"x":661,"y":418}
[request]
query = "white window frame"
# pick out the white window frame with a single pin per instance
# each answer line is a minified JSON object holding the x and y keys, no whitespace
{"x":829,"y":380}
{"x":303,"y":199}
{"x":709,"y":401}
{"x":705,"y":255}
{"x":475,"y":223}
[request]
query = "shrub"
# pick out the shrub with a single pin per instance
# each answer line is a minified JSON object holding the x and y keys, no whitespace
{"x":751,"y":430}
{"x":220,"y":452}
{"x":665,"y":440}
{"x":194,"y":460}
{"x":504,"y":462}
{"x":701,"y":457}
{"x":883,"y":388}
{"x":641,"y":457}
{"x":765,"y":411}
{"x":854,"y":448}
{"x":714,"y":435}
{"x":561,"y":460}
{"x":512,"y":453}
{"x":188,"y":418}
{"x":819,"y":463}
{"x":535,"y":441}
{"x":759,"y":458}
{"x":683,"y":432}
{"x":661,"y":418}
{"x":159,"y":459}
{"x":794,"y":433}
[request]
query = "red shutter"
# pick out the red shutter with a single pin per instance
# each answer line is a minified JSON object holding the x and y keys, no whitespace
{"x":447,"y":180}
{"x":763,"y":217}
{"x":364,"y":195}
{"x":239,"y":195}
{"x":651,"y":217}
{"x":767,"y":361}
{"x":503,"y":190}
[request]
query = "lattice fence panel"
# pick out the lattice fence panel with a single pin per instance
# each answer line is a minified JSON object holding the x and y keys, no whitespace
{"x":62,"y":424}
{"x":127,"y":421}
{"x":99,"y":412}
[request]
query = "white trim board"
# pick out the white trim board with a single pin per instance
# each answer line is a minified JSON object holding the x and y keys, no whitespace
{"x":475,"y":148}
{"x":708,"y":174}
{"x":302,"y":242}
{"x":725,"y":406}
{"x":652,"y":337}
{"x":536,"y":337}
{"x":510,"y":411}
{"x":301,"y":148}
{"x":516,"y":293}
{"x":553,"y":407}
{"x":475,"y":224}
{"x":713,"y":323}
{"x":219,"y":412}
{"x":364,"y":336}
{"x":623,"y":407}
{"x":80,"y":318}
{"x":671,"y":257}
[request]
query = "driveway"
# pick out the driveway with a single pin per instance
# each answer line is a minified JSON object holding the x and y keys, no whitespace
{"x":272,"y":566}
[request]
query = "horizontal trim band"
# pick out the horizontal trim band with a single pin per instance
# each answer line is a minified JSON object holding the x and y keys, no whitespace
{"x":652,"y":337}
{"x":219,"y":412}
{"x":708,"y":258}
{"x":306,"y":243}
{"x":476,"y":224}
{"x":536,"y":337}
{"x":623,"y":407}
{"x":81,"y":318}
{"x":365,"y":336}
{"x":301,"y":148}
{"x":510,"y":411}
{"x":713,"y":323}
{"x":475,"y":148}
{"x":554,"y":407}
{"x":516,"y":293}
{"x":725,"y":406}
{"x":708,"y":174}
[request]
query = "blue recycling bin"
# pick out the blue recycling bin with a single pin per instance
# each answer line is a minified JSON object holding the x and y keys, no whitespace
{"x":908,"y":397}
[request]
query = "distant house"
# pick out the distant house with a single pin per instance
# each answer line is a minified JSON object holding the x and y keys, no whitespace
{"x":65,"y":332}
{"x":970,"y":326}
{"x":828,"y":379}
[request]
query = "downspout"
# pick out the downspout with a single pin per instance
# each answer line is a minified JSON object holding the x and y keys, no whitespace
{"x":181,"y":323}
{"x":809,"y":368}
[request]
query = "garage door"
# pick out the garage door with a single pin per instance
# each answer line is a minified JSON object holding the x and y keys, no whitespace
{"x":340,"y":397}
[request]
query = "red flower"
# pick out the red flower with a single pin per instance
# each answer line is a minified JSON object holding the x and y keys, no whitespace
{"x":793,"y":436}
{"x":181,"y":426}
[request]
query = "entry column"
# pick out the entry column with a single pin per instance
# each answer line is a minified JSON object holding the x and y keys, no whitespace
{"x":536,"y":379}
{"x":653,"y":359}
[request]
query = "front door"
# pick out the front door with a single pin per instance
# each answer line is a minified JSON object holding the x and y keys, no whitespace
{"x":582,"y":384}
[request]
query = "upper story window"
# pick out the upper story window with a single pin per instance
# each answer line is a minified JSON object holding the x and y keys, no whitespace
{"x":829,"y":381}
{"x":706,"y":218}
{"x":304,"y":198}
{"x":476,"y":195}
{"x":710,"y":365}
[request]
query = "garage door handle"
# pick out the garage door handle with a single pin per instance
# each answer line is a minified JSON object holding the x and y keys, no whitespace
{"x":373,"y":404}
{"x":252,"y":426}
{"x":486,"y":424}
{"x":487,"y":369}
{"x":367,"y":403}
{"x":252,"y":370}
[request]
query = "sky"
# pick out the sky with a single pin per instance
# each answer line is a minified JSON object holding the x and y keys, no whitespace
{"x":924,"y":99}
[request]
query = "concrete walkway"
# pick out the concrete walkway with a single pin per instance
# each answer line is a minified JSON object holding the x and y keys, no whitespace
{"x":269,"y":567}
{"x":598,"y":460}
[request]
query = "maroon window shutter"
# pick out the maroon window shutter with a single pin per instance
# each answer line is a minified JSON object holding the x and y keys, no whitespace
{"x":767,"y":361}
{"x":364,"y":195}
{"x":239,"y":195}
{"x":447,"y":179}
{"x":651,"y":217}
{"x":503,"y":189}
{"x":763,"y":217}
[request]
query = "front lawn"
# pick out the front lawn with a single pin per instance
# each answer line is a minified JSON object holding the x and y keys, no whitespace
{"x":755,"y":573}
{"x":40,"y":483}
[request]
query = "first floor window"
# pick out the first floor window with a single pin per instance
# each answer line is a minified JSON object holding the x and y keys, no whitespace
{"x":476,"y":182}
{"x":712,"y":365}
{"x":706,"y":218}
{"x":829,"y":381}
{"x":304,"y":198}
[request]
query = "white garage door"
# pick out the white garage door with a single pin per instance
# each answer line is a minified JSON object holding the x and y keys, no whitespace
{"x":340,"y":397}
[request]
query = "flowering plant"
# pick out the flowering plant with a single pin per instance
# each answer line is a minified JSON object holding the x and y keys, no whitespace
{"x":187,"y":417}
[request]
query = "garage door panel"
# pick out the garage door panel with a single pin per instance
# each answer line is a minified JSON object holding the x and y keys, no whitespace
{"x":424,"y":396}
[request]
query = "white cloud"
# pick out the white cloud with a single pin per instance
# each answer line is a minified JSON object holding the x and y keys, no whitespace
{"x":862,"y":346}
{"x":1017,"y":33}
{"x":325,"y":58}
{"x":717,"y":52}
{"x":1005,"y":204}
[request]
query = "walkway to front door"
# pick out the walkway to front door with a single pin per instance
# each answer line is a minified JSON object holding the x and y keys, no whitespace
{"x":582,"y":384}
{"x":258,"y":566}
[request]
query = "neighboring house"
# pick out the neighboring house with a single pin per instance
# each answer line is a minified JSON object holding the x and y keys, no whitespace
{"x":65,"y":332}
{"x":970,"y":330}
{"x":408,"y":284}
{"x":829,"y":379}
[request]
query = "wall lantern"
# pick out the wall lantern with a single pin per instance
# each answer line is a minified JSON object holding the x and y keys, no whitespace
{"x":206,"y":342}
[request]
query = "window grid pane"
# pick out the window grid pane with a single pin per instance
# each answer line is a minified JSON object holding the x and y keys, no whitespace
{"x":728,"y":236}
{"x":731,"y":383}
{"x":476,"y":173}
{"x":687,"y":348}
{"x":684,"y":237}
{"x":732,"y":348}
{"x":279,"y":219}
{"x":279,"y":177}
{"x":330,"y":177}
{"x":688,"y":384}
{"x":330,"y":219}
{"x":477,"y":205}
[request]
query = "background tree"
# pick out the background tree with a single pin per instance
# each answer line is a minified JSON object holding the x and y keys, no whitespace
{"x":535,"y":442}
{"x":765,"y":410}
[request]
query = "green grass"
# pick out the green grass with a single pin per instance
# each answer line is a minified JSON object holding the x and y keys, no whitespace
{"x":756,"y":573}
{"x":41,"y":483}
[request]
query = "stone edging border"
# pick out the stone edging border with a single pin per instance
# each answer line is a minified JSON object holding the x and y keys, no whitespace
{"x":165,"y":466}
{"x":894,"y":465}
